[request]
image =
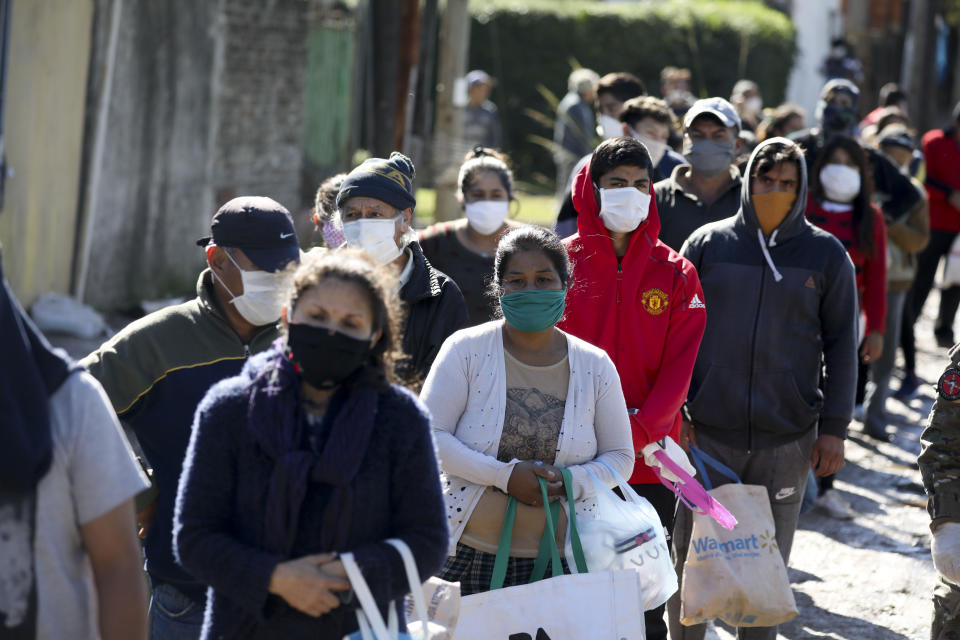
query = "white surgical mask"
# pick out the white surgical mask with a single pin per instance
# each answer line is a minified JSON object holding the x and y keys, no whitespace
{"x":657,"y":148}
{"x":624,"y":209}
{"x":608,"y":127}
{"x":376,"y":236}
{"x":840,"y":183}
{"x":262,"y":298}
{"x":753,"y":105}
{"x":486,"y":216}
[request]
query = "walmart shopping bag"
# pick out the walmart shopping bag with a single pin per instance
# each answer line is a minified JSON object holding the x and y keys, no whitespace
{"x":736,"y":575}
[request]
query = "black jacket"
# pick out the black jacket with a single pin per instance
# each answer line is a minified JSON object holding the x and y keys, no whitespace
{"x":771,"y":321}
{"x":434,"y":309}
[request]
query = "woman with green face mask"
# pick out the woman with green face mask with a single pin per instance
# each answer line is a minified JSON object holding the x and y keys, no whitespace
{"x":514,"y":400}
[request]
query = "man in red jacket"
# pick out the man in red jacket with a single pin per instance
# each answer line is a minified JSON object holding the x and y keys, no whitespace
{"x":941,"y":152}
{"x":637,"y":299}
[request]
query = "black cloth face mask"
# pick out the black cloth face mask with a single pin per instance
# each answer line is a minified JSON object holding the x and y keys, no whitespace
{"x":325,"y":358}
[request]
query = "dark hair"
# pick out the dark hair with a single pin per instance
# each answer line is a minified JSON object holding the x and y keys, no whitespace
{"x":891,"y":94}
{"x":325,"y":202}
{"x":378,"y":285}
{"x":617,"y":152}
{"x":777,"y":124}
{"x":862,"y":209}
{"x":773,"y":154}
{"x":674,"y":73}
{"x":622,"y":85}
{"x":891,"y":115}
{"x":480,"y":159}
{"x":529,"y":238}
{"x":636,"y":109}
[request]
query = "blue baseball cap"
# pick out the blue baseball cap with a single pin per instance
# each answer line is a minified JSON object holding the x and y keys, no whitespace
{"x":261,"y":227}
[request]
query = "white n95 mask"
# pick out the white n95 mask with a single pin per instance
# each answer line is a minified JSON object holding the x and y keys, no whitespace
{"x":657,"y":148}
{"x":624,"y":209}
{"x":608,"y":127}
{"x":376,"y":236}
{"x":840,"y":183}
{"x":486,"y":216}
{"x":263,"y":292}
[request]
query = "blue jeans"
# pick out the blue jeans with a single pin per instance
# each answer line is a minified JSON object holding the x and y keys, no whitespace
{"x":174,"y":616}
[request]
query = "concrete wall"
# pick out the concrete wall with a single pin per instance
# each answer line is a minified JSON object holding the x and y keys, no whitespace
{"x":154,"y":197}
{"x":206,"y":103}
{"x":817,"y":21}
{"x":43,"y":125}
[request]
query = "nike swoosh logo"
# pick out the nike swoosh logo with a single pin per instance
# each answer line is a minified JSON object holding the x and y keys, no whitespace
{"x":284,"y":236}
{"x":785,"y":493}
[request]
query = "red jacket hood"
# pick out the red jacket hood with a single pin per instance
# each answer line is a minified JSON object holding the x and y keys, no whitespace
{"x":595,"y":238}
{"x":647,"y":313}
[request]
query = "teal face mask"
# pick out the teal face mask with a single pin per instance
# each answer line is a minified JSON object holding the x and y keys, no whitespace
{"x":534,"y":310}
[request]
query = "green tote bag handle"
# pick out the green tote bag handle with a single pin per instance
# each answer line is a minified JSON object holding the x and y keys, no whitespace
{"x":549,"y":552}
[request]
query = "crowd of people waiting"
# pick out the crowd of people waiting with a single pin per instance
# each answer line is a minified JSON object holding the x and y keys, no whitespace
{"x":719,"y":274}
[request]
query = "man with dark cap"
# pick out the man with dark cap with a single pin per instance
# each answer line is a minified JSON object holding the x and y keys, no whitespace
{"x":376,"y":205}
{"x":158,"y":368}
{"x":71,"y":564}
{"x":837,"y":115}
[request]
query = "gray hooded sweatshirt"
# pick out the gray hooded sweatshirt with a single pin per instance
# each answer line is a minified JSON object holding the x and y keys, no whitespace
{"x":780,"y":305}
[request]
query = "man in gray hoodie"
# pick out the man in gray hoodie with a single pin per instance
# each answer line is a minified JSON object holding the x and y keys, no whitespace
{"x":782,"y":298}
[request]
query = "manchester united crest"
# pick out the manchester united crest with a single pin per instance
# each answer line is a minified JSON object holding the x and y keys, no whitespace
{"x":655,"y":301}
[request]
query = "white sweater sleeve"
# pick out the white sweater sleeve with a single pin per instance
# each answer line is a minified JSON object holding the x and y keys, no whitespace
{"x":614,"y":438}
{"x":445,"y":394}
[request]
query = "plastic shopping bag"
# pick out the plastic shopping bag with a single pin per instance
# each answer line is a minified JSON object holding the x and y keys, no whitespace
{"x":372,"y":624}
{"x":627,"y":534}
{"x":443,"y":609}
{"x":673,"y":475}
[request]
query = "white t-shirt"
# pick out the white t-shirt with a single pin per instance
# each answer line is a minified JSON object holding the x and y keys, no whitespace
{"x":93,"y":471}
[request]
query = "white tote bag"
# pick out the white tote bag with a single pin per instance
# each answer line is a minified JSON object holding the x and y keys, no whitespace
{"x":372,"y":625}
{"x":594,"y":606}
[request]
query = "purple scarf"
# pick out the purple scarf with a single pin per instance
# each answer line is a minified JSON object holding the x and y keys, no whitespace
{"x":275,"y":416}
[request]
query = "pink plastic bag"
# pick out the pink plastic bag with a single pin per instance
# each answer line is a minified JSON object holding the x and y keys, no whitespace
{"x":690,"y":492}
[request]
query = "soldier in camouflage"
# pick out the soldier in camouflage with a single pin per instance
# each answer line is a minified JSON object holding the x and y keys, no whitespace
{"x":939,"y":463}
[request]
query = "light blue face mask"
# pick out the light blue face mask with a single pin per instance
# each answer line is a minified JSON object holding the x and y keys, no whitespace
{"x":534,"y":310}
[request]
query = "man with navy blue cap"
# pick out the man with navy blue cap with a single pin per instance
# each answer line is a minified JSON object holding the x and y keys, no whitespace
{"x":375,"y":204}
{"x":157,"y":369}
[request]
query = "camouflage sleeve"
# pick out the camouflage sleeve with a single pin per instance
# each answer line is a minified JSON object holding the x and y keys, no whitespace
{"x":939,"y":462}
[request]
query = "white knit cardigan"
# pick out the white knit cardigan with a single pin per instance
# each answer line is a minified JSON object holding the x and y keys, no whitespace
{"x":466,"y":393}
